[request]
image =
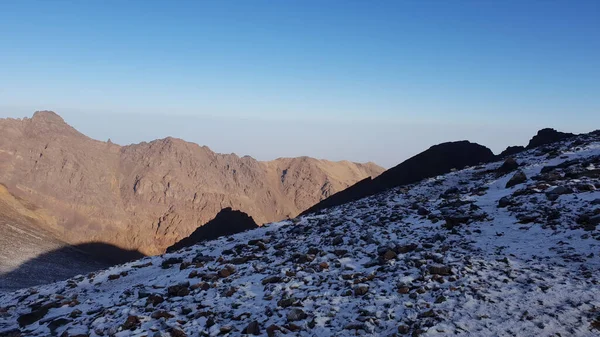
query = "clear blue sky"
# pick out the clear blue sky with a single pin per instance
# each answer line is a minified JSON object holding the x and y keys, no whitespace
{"x":358,"y":80}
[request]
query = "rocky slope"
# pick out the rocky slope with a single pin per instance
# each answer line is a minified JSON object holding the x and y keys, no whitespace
{"x":147,"y":196}
{"x":500,"y":249}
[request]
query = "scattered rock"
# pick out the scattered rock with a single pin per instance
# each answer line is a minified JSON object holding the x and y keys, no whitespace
{"x":438,"y":269}
{"x":272,"y":279}
{"x":252,"y":329}
{"x":132,"y":323}
{"x":509,"y":165}
{"x":361,"y":290}
{"x":296,"y":314}
{"x":517,"y":178}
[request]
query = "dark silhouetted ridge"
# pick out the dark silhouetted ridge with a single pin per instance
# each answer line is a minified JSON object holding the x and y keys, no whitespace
{"x":548,"y":136}
{"x":437,"y":160}
{"x":226,"y":222}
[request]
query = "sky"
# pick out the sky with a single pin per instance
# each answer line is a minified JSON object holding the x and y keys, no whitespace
{"x":358,"y":80}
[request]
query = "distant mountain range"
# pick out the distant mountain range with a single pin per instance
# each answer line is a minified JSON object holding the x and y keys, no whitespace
{"x":148,"y":196}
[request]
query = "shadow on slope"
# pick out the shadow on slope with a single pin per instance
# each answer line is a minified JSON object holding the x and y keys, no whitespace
{"x":226,"y":222}
{"x":64,"y":263}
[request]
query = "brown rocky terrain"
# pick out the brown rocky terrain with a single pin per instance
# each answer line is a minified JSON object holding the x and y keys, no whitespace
{"x":148,"y":196}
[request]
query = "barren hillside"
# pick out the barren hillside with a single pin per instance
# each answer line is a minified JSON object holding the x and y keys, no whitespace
{"x":147,"y":196}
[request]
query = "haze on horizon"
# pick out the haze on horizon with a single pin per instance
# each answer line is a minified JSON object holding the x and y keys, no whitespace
{"x":337,"y":80}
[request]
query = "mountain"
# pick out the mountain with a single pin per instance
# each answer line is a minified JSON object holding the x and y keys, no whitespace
{"x":456,"y":254}
{"x":436,"y":160}
{"x":148,"y":196}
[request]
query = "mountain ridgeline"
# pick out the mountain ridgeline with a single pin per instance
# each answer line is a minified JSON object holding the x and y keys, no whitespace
{"x":437,"y":160}
{"x":149,"y":196}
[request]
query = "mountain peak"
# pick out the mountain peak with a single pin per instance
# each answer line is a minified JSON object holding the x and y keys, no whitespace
{"x":47,"y":116}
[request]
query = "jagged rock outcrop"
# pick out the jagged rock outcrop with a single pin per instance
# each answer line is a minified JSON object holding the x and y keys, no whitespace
{"x":511,"y":150}
{"x":438,"y":159}
{"x":148,"y":196}
{"x":227,"y":222}
{"x":548,"y":136}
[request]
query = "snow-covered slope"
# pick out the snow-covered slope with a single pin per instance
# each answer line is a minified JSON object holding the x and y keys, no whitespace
{"x":460,"y":254}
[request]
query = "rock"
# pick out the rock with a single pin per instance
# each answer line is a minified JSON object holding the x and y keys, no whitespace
{"x":296,"y":315}
{"x":406,"y":248}
{"x":177,"y":333}
{"x":202,"y":259}
{"x":403,"y":290}
{"x":509,"y":165}
{"x":427,"y":314}
{"x":229,"y":292}
{"x":179,"y":290}
{"x":504,"y":202}
{"x":389,"y":255}
{"x":131,"y":323}
{"x":271,"y":279}
{"x":286,"y":302}
{"x":226,"y":329}
{"x":226,"y":272}
{"x":518,"y":178}
{"x":75,"y":313}
{"x":11,"y":333}
{"x":451,"y":191}
{"x":423,"y":211}
{"x":252,"y":329}
{"x":171,"y":261}
{"x":438,"y":269}
{"x":36,"y":314}
{"x":355,"y":326}
{"x":271,"y":329}
{"x":338,"y":240}
{"x":547,"y":136}
{"x":161,"y":314}
{"x":511,"y":150}
{"x":154,"y":299}
{"x":560,"y":190}
{"x":361,"y":290}
{"x":403,"y":329}
{"x":57,"y":323}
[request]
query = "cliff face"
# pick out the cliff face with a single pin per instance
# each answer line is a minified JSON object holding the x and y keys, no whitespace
{"x":148,"y":196}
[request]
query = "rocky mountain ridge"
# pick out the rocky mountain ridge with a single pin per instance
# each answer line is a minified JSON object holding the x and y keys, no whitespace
{"x":147,"y":196}
{"x":438,"y":159}
{"x":506,"y":248}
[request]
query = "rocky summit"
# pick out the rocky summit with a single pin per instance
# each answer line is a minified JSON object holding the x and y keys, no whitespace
{"x":456,"y":254}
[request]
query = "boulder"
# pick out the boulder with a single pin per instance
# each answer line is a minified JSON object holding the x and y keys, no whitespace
{"x":509,"y":165}
{"x":518,"y":178}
